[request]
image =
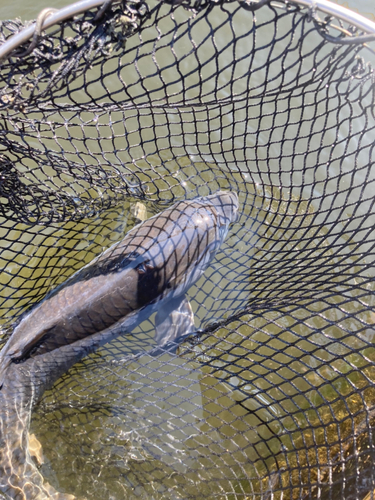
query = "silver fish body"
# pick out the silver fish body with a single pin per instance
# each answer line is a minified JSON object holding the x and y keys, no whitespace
{"x":154,"y":264}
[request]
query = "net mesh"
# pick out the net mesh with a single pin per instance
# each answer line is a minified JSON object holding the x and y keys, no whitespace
{"x":273,"y":397}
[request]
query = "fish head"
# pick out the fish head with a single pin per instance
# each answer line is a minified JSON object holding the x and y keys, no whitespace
{"x":226,"y":206}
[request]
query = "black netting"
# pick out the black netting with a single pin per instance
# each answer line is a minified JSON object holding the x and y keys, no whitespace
{"x":108,"y":122}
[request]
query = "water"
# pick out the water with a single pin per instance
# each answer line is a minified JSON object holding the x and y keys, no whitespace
{"x":26,"y":10}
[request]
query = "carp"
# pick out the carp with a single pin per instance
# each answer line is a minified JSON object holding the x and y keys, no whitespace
{"x":148,"y":271}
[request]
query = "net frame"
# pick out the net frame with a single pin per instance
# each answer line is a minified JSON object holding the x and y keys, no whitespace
{"x":50,"y":17}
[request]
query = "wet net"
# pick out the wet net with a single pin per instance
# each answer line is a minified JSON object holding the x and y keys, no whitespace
{"x":109,"y":121}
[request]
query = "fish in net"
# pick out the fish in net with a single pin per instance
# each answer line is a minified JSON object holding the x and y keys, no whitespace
{"x":148,"y":271}
{"x":155,"y":103}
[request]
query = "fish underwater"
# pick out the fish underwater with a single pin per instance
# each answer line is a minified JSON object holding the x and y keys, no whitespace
{"x":148,"y":271}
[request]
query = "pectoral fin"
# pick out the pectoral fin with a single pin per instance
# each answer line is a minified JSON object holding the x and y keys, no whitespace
{"x":174,"y":321}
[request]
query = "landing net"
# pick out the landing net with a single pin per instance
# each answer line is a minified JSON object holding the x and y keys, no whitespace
{"x":110,"y":120}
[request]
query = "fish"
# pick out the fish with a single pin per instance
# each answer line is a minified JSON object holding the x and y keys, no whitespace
{"x":148,"y":271}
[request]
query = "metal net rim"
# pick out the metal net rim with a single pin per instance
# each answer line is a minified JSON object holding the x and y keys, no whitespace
{"x":46,"y":20}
